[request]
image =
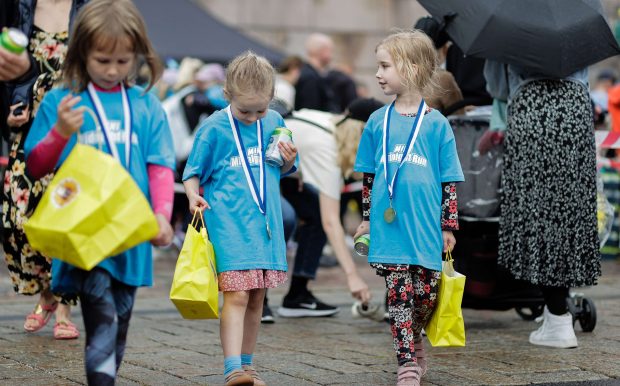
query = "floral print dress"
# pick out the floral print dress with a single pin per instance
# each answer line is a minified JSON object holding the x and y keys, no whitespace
{"x":29,"y":270}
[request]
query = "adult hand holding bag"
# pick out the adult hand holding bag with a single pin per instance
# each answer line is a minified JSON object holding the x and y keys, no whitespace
{"x":91,"y":210}
{"x":447,"y":327}
{"x":194,"y":288}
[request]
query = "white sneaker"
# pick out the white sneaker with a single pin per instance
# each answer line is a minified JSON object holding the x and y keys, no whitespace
{"x":556,"y":331}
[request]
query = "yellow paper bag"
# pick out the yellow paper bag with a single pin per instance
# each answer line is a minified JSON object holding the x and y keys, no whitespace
{"x":91,"y":210}
{"x":446,"y":327}
{"x":194,"y":288}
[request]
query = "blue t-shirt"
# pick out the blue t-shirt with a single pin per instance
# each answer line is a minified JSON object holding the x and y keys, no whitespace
{"x":415,"y":235}
{"x":151,"y":143}
{"x":235,"y":224}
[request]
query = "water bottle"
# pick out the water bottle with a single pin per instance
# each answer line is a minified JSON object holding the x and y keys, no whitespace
{"x":362,"y":244}
{"x":13,"y":40}
{"x":272,"y":154}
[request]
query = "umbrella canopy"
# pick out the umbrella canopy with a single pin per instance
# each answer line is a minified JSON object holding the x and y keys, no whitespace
{"x":179,"y":28}
{"x":550,"y":37}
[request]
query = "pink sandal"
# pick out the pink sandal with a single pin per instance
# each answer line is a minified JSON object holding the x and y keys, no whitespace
{"x":42,"y":314}
{"x":409,"y":375}
{"x":65,"y":330}
{"x":420,"y":355}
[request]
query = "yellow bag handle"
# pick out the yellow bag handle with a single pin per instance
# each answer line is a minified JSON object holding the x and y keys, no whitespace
{"x":449,"y":255}
{"x":194,"y":223}
{"x":197,"y":218}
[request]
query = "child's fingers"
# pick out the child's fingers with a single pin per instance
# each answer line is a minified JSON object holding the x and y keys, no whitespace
{"x":202,"y":203}
{"x":68,"y":102}
{"x":63,"y":102}
{"x":73,"y":101}
{"x":288,"y":147}
{"x":199,"y":203}
{"x":287,"y":150}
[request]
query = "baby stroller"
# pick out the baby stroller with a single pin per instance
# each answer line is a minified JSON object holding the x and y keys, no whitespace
{"x":489,"y":286}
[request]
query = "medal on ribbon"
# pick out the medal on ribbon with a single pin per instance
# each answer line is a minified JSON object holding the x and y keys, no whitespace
{"x":389,"y":215}
{"x":105,"y":123}
{"x":258,"y":194}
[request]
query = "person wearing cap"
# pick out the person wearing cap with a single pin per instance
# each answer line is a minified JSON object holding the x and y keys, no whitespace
{"x":327,"y":146}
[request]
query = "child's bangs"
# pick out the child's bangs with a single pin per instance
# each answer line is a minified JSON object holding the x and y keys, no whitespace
{"x":107,"y":41}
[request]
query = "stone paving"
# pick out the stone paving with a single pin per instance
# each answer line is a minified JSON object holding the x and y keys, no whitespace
{"x":164,"y":349}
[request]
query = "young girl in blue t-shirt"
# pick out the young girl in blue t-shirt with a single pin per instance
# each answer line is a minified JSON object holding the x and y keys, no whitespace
{"x":242,"y":198}
{"x":108,"y":39}
{"x":408,"y":156}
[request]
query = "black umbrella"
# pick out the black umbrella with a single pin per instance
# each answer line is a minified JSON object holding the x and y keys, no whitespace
{"x":551,"y":37}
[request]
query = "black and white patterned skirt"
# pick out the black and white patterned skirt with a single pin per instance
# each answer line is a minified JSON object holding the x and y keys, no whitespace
{"x":548,"y":229}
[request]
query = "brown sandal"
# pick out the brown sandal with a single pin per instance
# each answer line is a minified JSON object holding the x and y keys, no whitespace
{"x":251,"y":371}
{"x":238,"y":377}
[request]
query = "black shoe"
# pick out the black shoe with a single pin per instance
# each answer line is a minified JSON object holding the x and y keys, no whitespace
{"x":267,"y":317}
{"x":305,"y":305}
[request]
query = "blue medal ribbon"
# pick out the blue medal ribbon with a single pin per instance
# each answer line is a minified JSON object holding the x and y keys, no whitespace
{"x":408,"y":147}
{"x":105,"y":124}
{"x":259,"y":195}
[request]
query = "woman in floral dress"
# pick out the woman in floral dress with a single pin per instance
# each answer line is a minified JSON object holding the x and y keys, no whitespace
{"x":47,"y":24}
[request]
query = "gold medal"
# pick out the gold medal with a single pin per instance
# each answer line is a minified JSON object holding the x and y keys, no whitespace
{"x":268,"y":229}
{"x":389,"y":215}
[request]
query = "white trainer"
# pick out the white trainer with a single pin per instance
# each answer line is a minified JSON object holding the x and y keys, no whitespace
{"x":556,"y":331}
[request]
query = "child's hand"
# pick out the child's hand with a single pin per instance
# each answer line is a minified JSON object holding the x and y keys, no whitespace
{"x":196,"y":201}
{"x":362,"y":229}
{"x":18,"y":120}
{"x":164,"y":237}
{"x":69,"y":119}
{"x":288,"y":150}
{"x":448,"y":240}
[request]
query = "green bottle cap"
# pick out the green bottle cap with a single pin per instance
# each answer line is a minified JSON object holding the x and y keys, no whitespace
{"x":13,"y":40}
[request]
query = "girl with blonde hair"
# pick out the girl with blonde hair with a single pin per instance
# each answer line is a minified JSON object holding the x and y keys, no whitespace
{"x":242,"y":201}
{"x":408,"y":156}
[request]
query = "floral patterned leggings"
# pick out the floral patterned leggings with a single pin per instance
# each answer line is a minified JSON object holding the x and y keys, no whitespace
{"x":411,"y":299}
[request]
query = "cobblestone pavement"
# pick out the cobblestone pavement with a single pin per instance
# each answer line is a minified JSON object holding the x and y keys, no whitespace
{"x":164,"y":349}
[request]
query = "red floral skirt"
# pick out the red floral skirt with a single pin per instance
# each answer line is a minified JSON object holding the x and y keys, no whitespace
{"x":250,"y":279}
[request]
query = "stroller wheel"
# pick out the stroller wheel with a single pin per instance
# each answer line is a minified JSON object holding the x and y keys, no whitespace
{"x":587,"y":315}
{"x":531,"y":312}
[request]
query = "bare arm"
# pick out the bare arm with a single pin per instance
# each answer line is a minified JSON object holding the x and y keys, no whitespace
{"x":330,"y":219}
{"x":192,"y":190}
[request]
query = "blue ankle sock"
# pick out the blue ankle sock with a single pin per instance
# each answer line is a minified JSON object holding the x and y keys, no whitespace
{"x":231,"y":363}
{"x":246,"y":359}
